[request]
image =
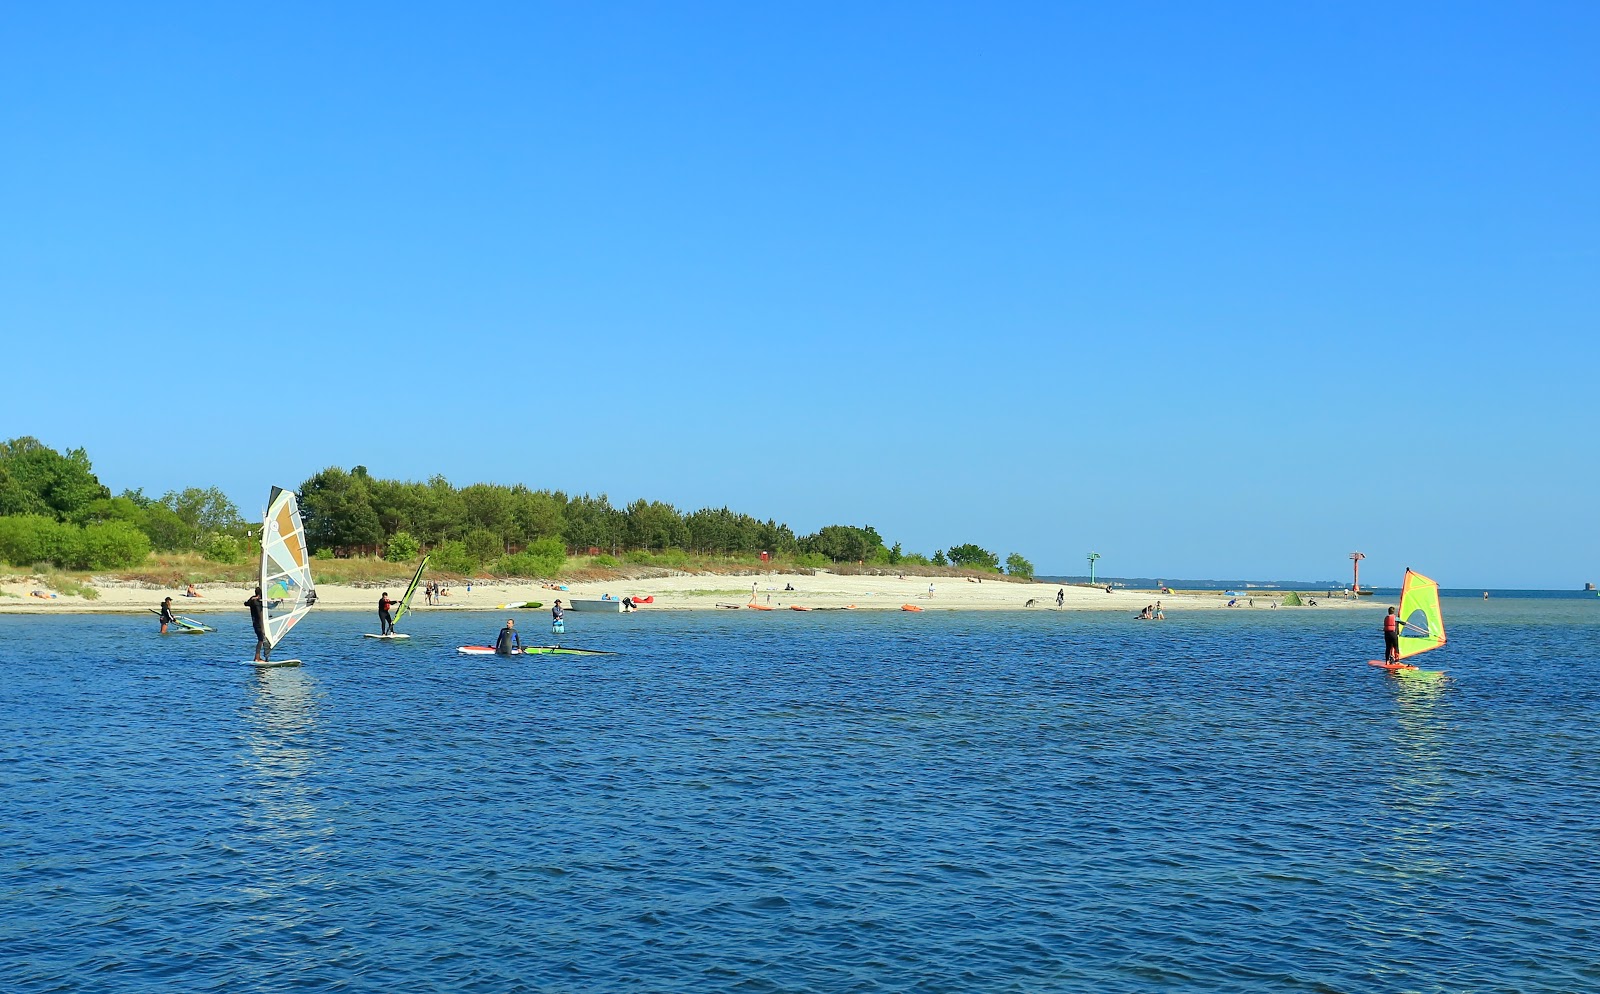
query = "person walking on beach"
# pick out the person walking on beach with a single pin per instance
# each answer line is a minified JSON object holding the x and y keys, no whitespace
{"x":385,"y":619}
{"x":258,"y":621}
{"x":509,"y":642}
{"x":1391,"y":637}
{"x":166,"y":615}
{"x":1061,"y":597}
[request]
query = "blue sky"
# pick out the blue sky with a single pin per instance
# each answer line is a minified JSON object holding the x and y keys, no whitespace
{"x":1215,"y":290}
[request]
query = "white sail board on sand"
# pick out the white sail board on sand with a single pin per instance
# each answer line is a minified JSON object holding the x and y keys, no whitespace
{"x":405,"y":603}
{"x":287,"y":592}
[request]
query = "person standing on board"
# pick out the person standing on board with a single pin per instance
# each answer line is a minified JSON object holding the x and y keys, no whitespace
{"x":258,"y":621}
{"x":1391,"y":637}
{"x":166,"y":615}
{"x":509,"y":641}
{"x":385,"y":619}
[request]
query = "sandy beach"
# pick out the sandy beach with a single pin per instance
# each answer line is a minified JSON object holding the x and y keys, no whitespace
{"x":821,"y":591}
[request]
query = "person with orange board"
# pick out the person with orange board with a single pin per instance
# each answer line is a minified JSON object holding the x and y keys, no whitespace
{"x":1391,"y":637}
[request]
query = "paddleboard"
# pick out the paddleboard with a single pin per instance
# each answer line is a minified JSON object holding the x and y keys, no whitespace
{"x":395,"y":635}
{"x":1405,"y":669}
{"x":476,"y":650}
{"x":520,"y":606}
{"x":566,"y":650}
{"x":272,"y":664}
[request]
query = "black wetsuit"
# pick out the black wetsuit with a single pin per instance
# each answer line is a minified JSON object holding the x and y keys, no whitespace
{"x":258,"y":621}
{"x":167,"y":617}
{"x":385,"y":621}
{"x":508,"y":643}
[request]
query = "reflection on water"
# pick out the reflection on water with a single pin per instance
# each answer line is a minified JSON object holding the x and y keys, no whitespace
{"x":282,"y":829}
{"x":1420,"y":788}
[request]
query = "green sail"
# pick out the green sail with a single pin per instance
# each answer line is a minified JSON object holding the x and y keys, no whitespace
{"x":405,"y":601}
{"x":1421,"y":624}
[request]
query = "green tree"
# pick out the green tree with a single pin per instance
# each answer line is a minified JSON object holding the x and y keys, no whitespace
{"x":337,"y":509}
{"x":972,"y":556}
{"x":844,"y":543}
{"x":401,"y":548}
{"x":939,"y":559}
{"x":1018,"y":566}
{"x":593,"y":522}
{"x":36,"y":479}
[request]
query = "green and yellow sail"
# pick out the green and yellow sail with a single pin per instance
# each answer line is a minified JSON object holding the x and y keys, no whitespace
{"x":1421,"y":624}
{"x":405,"y":602}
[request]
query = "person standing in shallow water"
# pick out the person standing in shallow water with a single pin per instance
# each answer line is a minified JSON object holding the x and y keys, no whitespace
{"x":509,"y":641}
{"x":258,"y":621}
{"x":166,"y":615}
{"x":1391,"y":637}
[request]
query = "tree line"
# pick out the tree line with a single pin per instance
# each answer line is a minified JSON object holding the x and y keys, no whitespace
{"x":54,"y":509}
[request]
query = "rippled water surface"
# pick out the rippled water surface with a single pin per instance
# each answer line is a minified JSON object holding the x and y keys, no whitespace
{"x":804,"y":802}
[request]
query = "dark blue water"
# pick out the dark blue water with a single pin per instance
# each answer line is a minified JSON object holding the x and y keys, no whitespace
{"x":818,"y":802}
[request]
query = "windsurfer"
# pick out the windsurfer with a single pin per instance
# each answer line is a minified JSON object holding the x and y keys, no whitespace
{"x":1391,"y":637}
{"x":258,"y":621}
{"x":509,"y":641}
{"x":385,"y":619}
{"x":166,"y":615}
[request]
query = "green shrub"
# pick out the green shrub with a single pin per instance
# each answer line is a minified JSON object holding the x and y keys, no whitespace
{"x":1018,"y":566}
{"x":223,"y":549}
{"x":32,"y":538}
{"x":112,"y":545}
{"x":639,"y":557}
{"x":1292,"y":599}
{"x":605,"y":562}
{"x":323,"y":554}
{"x":453,"y":557}
{"x":812,"y":560}
{"x":402,"y":548}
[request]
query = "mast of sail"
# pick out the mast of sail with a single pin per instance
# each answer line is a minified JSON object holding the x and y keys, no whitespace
{"x":1421,"y":624}
{"x":286,"y":584}
{"x":405,"y":601}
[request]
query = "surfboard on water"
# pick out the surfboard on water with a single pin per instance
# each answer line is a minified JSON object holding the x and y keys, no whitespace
{"x":404,"y":604}
{"x":270,"y":664}
{"x":476,"y":650}
{"x":567,"y":650}
{"x":1421,"y":625}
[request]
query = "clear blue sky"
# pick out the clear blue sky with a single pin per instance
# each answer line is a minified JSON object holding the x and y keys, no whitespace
{"x":1215,"y":290}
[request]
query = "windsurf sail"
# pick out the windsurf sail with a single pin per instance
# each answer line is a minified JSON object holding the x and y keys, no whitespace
{"x":1421,"y":624}
{"x":405,"y":602}
{"x":286,"y":587}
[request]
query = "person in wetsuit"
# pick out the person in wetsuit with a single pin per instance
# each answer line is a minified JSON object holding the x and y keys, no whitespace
{"x":509,"y":642}
{"x":258,"y":621}
{"x":167,"y":617}
{"x":557,"y":625}
{"x":385,"y":621}
{"x":1391,"y":637}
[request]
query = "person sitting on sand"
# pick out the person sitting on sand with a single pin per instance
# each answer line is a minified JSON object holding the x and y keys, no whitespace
{"x":191,"y":592}
{"x":509,"y":642}
{"x":167,"y":617}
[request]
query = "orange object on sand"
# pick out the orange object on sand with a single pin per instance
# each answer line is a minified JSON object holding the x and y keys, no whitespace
{"x":758,"y":607}
{"x":645,"y":600}
{"x":796,"y":607}
{"x":909,"y":607}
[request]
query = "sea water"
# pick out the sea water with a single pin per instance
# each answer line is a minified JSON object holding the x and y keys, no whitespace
{"x":1031,"y":801}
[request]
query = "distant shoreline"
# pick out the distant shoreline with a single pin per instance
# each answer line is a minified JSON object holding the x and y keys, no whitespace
{"x":821,"y":590}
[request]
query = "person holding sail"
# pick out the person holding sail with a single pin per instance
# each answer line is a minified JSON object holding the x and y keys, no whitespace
{"x":258,"y":621}
{"x":1391,"y":637}
{"x":385,"y":619}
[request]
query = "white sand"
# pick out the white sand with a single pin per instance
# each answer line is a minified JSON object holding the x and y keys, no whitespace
{"x":685,"y":593}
